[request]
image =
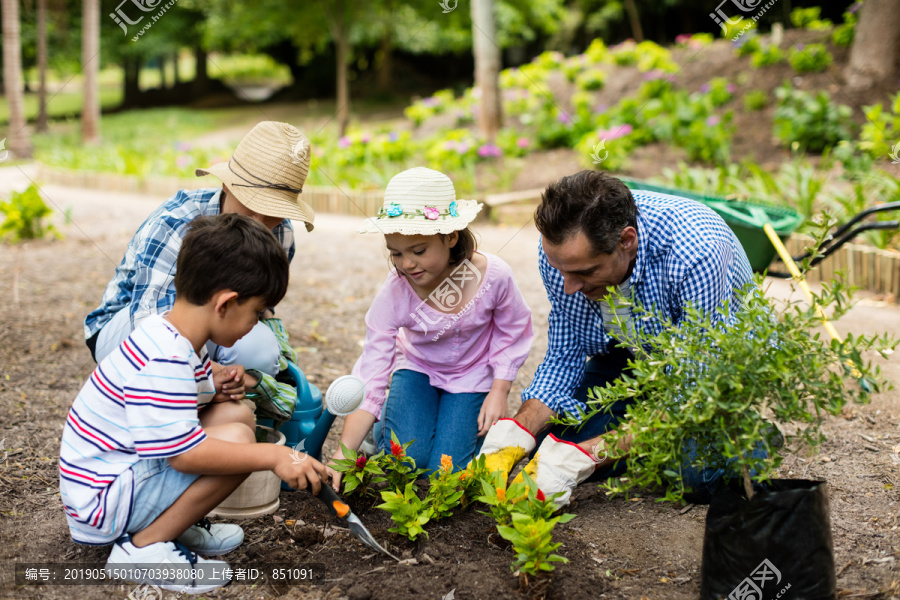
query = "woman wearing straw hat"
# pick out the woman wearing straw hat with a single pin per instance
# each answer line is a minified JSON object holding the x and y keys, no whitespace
{"x":263,"y":180}
{"x":448,"y":330}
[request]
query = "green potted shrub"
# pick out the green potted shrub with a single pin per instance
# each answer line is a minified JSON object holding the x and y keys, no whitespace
{"x":724,"y":381}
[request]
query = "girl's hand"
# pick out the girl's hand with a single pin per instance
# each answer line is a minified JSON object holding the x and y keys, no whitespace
{"x":335,"y":475}
{"x":493,"y":409}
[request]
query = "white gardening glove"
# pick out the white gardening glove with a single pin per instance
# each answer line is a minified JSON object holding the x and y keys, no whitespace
{"x":559,"y":466}
{"x":505,"y":444}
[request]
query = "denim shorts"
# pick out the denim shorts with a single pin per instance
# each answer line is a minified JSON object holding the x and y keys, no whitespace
{"x":157,"y":485}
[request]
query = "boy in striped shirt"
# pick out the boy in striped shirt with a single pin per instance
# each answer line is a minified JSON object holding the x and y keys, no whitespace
{"x":149,"y":447}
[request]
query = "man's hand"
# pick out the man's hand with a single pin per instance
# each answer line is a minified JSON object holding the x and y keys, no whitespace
{"x":507,"y":443}
{"x":493,"y":409}
{"x":231,"y":383}
{"x":302,"y":472}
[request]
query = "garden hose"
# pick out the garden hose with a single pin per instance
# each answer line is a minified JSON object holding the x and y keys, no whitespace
{"x":798,"y":276}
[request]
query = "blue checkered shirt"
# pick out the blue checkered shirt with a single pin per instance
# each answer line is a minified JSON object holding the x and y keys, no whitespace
{"x":686,"y":254}
{"x":145,"y":279}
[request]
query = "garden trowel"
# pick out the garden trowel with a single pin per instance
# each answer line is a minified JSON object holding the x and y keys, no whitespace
{"x":339,"y":508}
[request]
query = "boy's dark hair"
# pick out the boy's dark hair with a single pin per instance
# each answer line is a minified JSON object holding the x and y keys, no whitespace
{"x":231,"y":252}
{"x":590,"y":201}
{"x":465,"y":247}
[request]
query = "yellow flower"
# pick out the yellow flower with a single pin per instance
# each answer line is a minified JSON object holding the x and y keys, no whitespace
{"x":501,"y":494}
{"x":446,"y":463}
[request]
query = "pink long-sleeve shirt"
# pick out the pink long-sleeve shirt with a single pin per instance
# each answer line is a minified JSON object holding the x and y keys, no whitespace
{"x":489,"y":338}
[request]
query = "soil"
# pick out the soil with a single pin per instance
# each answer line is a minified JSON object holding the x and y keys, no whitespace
{"x":617,"y":548}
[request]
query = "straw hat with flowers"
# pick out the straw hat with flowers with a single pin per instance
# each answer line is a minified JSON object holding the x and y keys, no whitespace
{"x":421,"y":201}
{"x":267,"y":171}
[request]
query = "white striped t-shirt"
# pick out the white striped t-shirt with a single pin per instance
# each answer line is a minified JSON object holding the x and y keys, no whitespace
{"x":139,"y":403}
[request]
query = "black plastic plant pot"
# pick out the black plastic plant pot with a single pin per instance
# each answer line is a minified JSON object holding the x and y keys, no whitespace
{"x":776,"y":546}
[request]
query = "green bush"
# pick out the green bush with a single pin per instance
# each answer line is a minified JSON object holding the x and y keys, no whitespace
{"x":756,"y":100}
{"x":808,"y":18}
{"x":877,"y":136}
{"x":812,"y":58}
{"x":591,"y":79}
{"x":765,"y":56}
{"x":749,"y":46}
{"x":813,"y":122}
{"x":720,"y":379}
{"x":23,"y":216}
{"x":844,"y":33}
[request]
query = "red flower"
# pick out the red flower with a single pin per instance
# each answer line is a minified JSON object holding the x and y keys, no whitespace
{"x":540,"y":496}
{"x":360,"y":461}
{"x":396,"y":449}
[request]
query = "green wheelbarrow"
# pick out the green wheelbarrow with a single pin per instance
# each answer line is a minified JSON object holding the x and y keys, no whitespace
{"x":747,"y":219}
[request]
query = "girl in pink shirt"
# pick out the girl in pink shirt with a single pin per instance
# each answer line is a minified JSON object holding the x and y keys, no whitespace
{"x":448,"y":330}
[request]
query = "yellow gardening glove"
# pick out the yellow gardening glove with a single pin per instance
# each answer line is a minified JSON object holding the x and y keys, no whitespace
{"x":505,"y":444}
{"x":559,"y":466}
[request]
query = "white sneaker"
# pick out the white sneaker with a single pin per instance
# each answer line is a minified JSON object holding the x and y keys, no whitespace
{"x":368,"y":446}
{"x":167,"y":565}
{"x":212,"y":539}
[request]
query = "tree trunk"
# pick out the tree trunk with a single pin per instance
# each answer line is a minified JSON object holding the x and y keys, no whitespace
{"x":162,"y":72}
{"x":201,"y":76}
{"x":131,"y":81}
{"x":874,"y":52}
{"x":19,"y":143}
{"x":42,"y":65}
{"x":487,"y":68}
{"x":342,"y":53}
{"x":385,"y":79}
{"x":175,"y":70}
{"x":636,"y":32}
{"x":90,"y":61}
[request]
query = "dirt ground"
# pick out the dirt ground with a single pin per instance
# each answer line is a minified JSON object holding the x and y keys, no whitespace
{"x":617,"y":549}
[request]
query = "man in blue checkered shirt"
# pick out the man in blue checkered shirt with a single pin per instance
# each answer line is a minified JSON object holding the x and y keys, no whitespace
{"x":661,"y":251}
{"x":262,"y":180}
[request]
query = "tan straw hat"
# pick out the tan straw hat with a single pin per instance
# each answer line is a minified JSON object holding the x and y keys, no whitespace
{"x":267,"y":171}
{"x":421,"y":201}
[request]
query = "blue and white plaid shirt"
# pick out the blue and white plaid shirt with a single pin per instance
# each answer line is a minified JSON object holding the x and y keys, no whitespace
{"x":686,"y":254}
{"x":145,"y":279}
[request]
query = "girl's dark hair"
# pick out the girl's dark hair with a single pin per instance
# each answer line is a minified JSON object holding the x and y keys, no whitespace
{"x":465,"y":247}
{"x":590,"y":201}
{"x":231,"y":252}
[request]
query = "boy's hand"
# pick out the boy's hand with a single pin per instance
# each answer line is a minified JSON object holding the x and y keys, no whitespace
{"x":300,"y":470}
{"x":492,"y":410}
{"x":231,"y":383}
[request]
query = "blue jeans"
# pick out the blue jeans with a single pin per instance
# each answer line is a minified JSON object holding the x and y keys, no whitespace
{"x":438,"y":421}
{"x":602,"y":369}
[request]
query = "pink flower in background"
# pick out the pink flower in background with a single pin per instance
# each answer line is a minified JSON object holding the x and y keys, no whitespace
{"x":431,"y":213}
{"x":614,"y":132}
{"x":393,"y":136}
{"x":601,"y":108}
{"x":682,"y":38}
{"x":344,"y":142}
{"x":431,"y":102}
{"x":704,"y":88}
{"x":523,"y":142}
{"x":183,"y":160}
{"x":654,"y":75}
{"x":462,"y":148}
{"x":731,"y":88}
{"x":713,"y":120}
{"x":450,"y":145}
{"x":365,"y":138}
{"x":183,"y":147}
{"x":564,"y":118}
{"x":489,"y":150}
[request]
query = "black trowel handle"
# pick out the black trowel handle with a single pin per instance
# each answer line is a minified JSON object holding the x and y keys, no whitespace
{"x":336,"y":506}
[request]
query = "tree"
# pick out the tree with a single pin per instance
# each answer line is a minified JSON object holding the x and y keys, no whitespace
{"x":487,"y":67}
{"x":90,"y":60}
{"x":19,"y":143}
{"x":41,"y":125}
{"x":875,"y":47}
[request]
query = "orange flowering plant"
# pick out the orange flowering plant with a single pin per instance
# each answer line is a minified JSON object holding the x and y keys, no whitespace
{"x":444,"y":491}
